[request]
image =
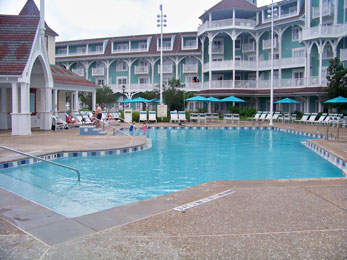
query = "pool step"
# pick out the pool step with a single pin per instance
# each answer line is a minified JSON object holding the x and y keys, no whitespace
{"x":91,"y":130}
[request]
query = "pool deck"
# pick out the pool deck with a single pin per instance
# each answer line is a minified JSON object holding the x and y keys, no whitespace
{"x":260,"y":219}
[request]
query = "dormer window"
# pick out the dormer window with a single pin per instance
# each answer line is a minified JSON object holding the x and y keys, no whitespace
{"x":120,"y":46}
{"x":167,"y":44}
{"x":189,"y":43}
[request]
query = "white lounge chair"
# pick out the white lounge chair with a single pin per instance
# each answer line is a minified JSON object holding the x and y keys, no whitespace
{"x":202,"y":118}
{"x":182,"y":116}
{"x":173,"y":116}
{"x":152,"y":116}
{"x":143,"y":116}
{"x":236,"y":117}
{"x":263,"y":116}
{"x":268,"y":116}
{"x":59,"y":123}
{"x":209,"y":117}
{"x":276,"y":115}
{"x":304,"y":118}
{"x":228,"y":117}
{"x":287,"y":118}
{"x":312,"y":118}
{"x":321,"y":118}
{"x":194,"y":117}
{"x":257,"y":116}
{"x":215,"y":117}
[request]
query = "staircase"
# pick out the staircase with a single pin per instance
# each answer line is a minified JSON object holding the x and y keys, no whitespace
{"x":91,"y":130}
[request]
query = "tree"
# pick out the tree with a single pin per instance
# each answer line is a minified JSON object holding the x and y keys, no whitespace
{"x":337,"y":81}
{"x":174,"y":96}
{"x":104,"y":96}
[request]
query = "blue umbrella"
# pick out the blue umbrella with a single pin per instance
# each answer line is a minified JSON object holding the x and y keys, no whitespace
{"x":337,"y":100}
{"x":126,"y":101}
{"x":154,"y":100}
{"x":213,"y":99}
{"x":287,"y":101}
{"x":139,"y":100}
{"x":232,"y":99}
{"x":197,"y":98}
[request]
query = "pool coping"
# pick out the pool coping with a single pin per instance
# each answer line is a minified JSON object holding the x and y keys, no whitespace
{"x":52,"y":228}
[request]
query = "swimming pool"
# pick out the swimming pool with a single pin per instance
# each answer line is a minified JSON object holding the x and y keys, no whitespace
{"x":178,"y":159}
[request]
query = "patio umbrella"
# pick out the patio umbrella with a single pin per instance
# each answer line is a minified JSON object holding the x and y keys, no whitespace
{"x":213,"y":99}
{"x":140,"y":100}
{"x":287,"y":101}
{"x":232,"y":99}
{"x":154,"y":100}
{"x":337,"y":100}
{"x":126,"y":101}
{"x":197,"y":98}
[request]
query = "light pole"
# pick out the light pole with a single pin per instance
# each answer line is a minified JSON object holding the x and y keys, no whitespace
{"x":271,"y":13}
{"x":123,"y":89}
{"x":161,"y":23}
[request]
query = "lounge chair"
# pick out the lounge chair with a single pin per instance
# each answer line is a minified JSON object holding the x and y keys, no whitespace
{"x":143,"y":116}
{"x":209,"y":117}
{"x":202,"y":118}
{"x":275,"y":116}
{"x":263,"y":116}
{"x":268,"y":116}
{"x":304,"y":118}
{"x":194,"y":117}
{"x":215,"y":117}
{"x":280,"y":117}
{"x":293,"y":117}
{"x":321,"y":119}
{"x":236,"y":117}
{"x":228,"y":117}
{"x":173,"y":116}
{"x":287,"y":118}
{"x":182,"y":116}
{"x":312,"y":118}
{"x":58,"y":123}
{"x":256,"y":116}
{"x":152,"y":116}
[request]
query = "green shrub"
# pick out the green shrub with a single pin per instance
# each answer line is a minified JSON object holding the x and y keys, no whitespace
{"x":136,"y":116}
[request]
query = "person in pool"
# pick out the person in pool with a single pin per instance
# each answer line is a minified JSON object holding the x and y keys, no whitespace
{"x":132,"y":127}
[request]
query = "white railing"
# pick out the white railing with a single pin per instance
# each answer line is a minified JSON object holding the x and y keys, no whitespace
{"x":121,"y":50}
{"x":343,"y":54}
{"x":98,"y":71}
{"x":292,"y":62}
{"x":217,"y":49}
{"x":248,"y":84}
{"x":327,"y":10}
{"x":267,"y":44}
{"x":291,"y":13}
{"x":190,"y":68}
{"x":325,"y":31}
{"x":79,"y":72}
{"x":61,"y":54}
{"x":95,"y":52}
{"x":219,"y":65}
{"x":166,"y":69}
{"x":266,"y":64}
{"x":221,"y":84}
{"x":226,"y":23}
{"x":193,"y":86}
{"x":141,"y":69}
{"x":245,"y":64}
{"x":248,"y":47}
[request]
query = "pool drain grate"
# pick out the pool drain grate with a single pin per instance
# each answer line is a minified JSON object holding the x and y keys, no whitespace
{"x":204,"y":200}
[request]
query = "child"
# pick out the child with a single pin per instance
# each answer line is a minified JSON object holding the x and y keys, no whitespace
{"x":144,"y":128}
{"x":132,"y":127}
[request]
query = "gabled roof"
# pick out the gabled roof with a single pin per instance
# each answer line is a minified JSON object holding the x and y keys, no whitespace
{"x":66,"y":77}
{"x":17,"y":34}
{"x":230,"y":4}
{"x":30,"y":9}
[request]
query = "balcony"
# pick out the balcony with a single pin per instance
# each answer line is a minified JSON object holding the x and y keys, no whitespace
{"x":226,"y":24}
{"x":293,"y":62}
{"x":193,"y":86}
{"x":327,"y":10}
{"x":219,"y":65}
{"x":98,"y":71}
{"x":245,"y":65}
{"x":343,"y":54}
{"x":248,"y":47}
{"x":167,"y":69}
{"x":324,"y":31}
{"x":266,"y":64}
{"x":267,"y":44}
{"x":140,"y":70}
{"x":190,"y":68}
{"x":79,"y":72}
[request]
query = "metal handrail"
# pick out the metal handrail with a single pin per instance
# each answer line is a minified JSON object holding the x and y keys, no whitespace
{"x":44,"y":160}
{"x":114,"y":128}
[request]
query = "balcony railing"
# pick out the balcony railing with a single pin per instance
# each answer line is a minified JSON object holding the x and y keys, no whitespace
{"x":245,"y":64}
{"x":343,"y":54}
{"x":141,"y":69}
{"x":248,"y":47}
{"x":266,"y":64}
{"x":293,"y":62}
{"x":327,"y":10}
{"x":219,"y":65}
{"x":98,"y":71}
{"x":167,"y":69}
{"x":267,"y":44}
{"x":190,"y":68}
{"x":324,"y":31}
{"x":226,"y":23}
{"x":79,"y":72}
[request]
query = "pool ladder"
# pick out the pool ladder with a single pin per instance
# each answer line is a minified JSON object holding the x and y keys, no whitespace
{"x":44,"y":160}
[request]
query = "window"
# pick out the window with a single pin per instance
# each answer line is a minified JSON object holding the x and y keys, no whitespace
{"x":143,"y":81}
{"x":166,"y":44}
{"x":189,"y":43}
{"x":98,"y":48}
{"x":217,"y":59}
{"x":298,"y":77}
{"x":61,"y":51}
{"x":81,"y":49}
{"x":100,"y":82}
{"x":122,"y":66}
{"x":218,"y":46}
{"x":237,"y":57}
{"x":143,"y":63}
{"x":33,"y":101}
{"x":143,"y":45}
{"x":252,"y":58}
{"x":295,"y":34}
{"x":122,"y":47}
{"x":328,"y":52}
{"x":191,"y":78}
{"x":299,"y":52}
{"x":121,"y":80}
{"x":238,"y":45}
{"x":276,"y":56}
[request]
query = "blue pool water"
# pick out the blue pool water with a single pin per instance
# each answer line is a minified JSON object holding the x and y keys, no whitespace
{"x":178,"y":159}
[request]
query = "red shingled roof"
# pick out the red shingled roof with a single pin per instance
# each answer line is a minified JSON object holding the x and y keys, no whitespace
{"x":16,"y":37}
{"x":30,"y":9}
{"x":66,"y":77}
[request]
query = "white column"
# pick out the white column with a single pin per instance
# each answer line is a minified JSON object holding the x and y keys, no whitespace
{"x":233,"y":39}
{"x":309,"y":10}
{"x":93,"y":100}
{"x":176,"y":64}
{"x":320,"y":12}
{"x":107,"y":74}
{"x":257,"y":60}
{"x":21,"y":121}
{"x":320,"y":52}
{"x":46,"y":107}
{"x":129,"y":75}
{"x":233,"y":16}
{"x":336,"y":11}
{"x":3,"y":114}
{"x":77,"y":105}
{"x":55,"y":101}
{"x":210,"y":40}
{"x":308,"y":66}
{"x":202,"y":60}
{"x":280,"y":59}
{"x":15,"y":98}
{"x":25,"y":97}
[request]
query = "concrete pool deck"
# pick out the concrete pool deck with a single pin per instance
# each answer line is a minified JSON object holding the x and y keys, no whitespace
{"x":265,"y":219}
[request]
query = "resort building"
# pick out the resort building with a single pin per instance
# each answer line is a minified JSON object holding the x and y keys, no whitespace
{"x":229,"y":54}
{"x":32,"y":87}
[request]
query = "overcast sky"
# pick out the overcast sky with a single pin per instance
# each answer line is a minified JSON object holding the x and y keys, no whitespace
{"x":86,"y":19}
